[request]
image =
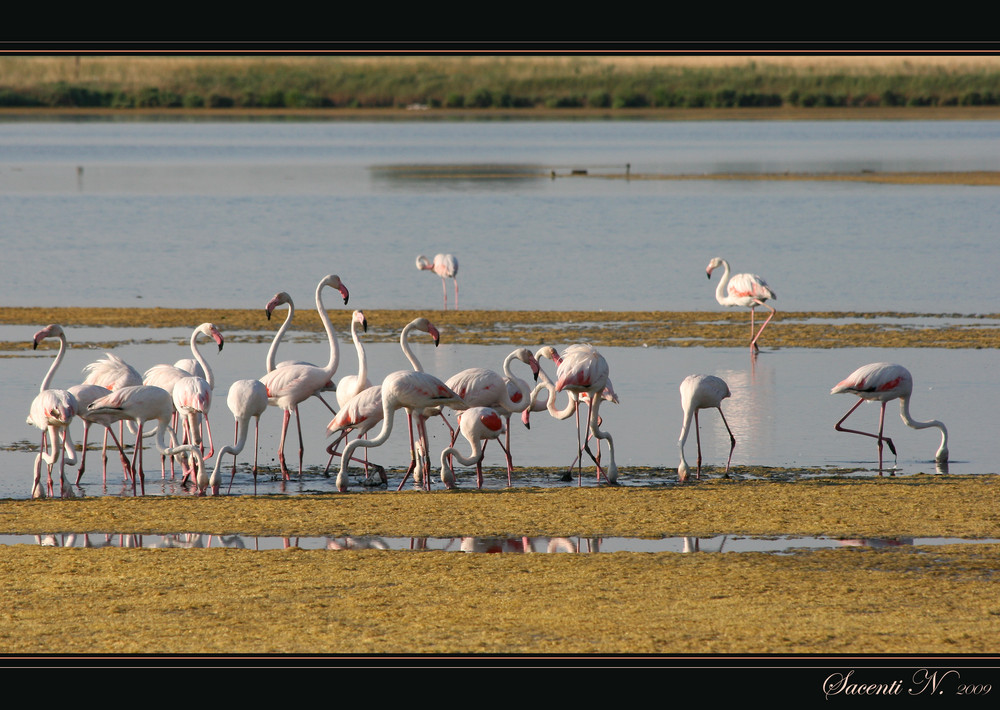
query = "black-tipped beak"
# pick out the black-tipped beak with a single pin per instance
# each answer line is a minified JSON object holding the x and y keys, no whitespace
{"x":268,"y":313}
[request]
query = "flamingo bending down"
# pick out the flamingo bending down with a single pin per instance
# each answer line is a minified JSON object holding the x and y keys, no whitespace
{"x":140,"y":404}
{"x":480,"y":387}
{"x":110,"y":373}
{"x":247,"y":400}
{"x":748,"y":290}
{"x":404,"y":389}
{"x":882,"y":382}
{"x":478,"y":425}
{"x":290,"y":385}
{"x":445,"y":266}
{"x":51,"y":411}
{"x":701,"y":392}
{"x":364,"y":410}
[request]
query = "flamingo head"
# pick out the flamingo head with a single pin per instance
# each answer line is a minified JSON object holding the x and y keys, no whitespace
{"x":714,"y":264}
{"x":525,"y":356}
{"x":212,"y":332}
{"x":277,"y":300}
{"x":423,"y":263}
{"x":683,"y":470}
{"x":525,"y":415}
{"x":49,"y":331}
{"x":359,"y":317}
{"x":549,"y":352}
{"x":333,"y":281}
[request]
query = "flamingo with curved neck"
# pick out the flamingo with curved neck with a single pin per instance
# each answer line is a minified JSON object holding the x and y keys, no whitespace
{"x":478,"y":425}
{"x":291,"y":385}
{"x":747,"y":290}
{"x":351,"y":385}
{"x":701,"y":392}
{"x":51,"y":411}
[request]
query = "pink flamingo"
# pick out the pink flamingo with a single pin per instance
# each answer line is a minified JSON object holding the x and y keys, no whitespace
{"x":247,"y":400}
{"x":282,"y":298}
{"x":51,"y":411}
{"x":701,"y":392}
{"x":445,"y":266}
{"x":364,"y":410}
{"x":883,"y":382}
{"x":109,"y":373}
{"x":480,"y":387}
{"x":478,"y":425}
{"x":290,"y":385}
{"x":351,"y":385}
{"x":405,"y":389}
{"x":747,"y":290}
{"x":140,"y":404}
{"x":583,"y":370}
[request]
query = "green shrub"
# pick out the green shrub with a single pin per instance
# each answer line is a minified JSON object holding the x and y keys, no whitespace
{"x":454,"y":100}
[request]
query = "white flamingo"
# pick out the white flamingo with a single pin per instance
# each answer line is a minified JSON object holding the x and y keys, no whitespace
{"x":51,"y":411}
{"x":746,"y":290}
{"x":445,"y":266}
{"x":701,"y":392}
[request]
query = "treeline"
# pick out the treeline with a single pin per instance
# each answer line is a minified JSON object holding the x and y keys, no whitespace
{"x":446,"y":83}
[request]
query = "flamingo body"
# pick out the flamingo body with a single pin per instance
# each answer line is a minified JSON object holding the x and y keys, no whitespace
{"x":445,"y":266}
{"x":478,"y":425}
{"x":883,"y":382}
{"x":746,"y":290}
{"x":51,"y":411}
{"x":701,"y":392}
{"x":247,"y":399}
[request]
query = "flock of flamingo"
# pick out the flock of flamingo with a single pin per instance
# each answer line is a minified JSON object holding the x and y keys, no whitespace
{"x":178,"y":399}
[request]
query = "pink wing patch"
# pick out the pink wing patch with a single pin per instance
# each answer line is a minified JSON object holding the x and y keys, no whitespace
{"x":492,"y":421}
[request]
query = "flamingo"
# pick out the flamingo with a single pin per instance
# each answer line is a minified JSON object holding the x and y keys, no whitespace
{"x":195,"y":396}
{"x":480,"y":387}
{"x":583,"y":370}
{"x":364,"y":410}
{"x":748,"y":290}
{"x":351,"y":385}
{"x":290,"y":385}
{"x":445,"y":266}
{"x":478,"y":425}
{"x":85,"y":395}
{"x":140,"y":404}
{"x":109,"y":373}
{"x":51,"y":411}
{"x":404,"y":389}
{"x":883,"y":382}
{"x":247,"y":399}
{"x":701,"y":392}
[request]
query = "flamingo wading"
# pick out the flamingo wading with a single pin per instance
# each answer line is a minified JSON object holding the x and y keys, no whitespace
{"x":445,"y":266}
{"x":701,"y":392}
{"x":747,"y":290}
{"x":883,"y":382}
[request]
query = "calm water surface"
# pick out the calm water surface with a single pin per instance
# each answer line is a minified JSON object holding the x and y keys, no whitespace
{"x":225,"y":213}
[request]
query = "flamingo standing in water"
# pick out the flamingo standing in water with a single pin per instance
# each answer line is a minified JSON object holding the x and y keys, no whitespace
{"x":351,"y":385}
{"x":445,"y":266}
{"x":109,"y":373}
{"x":290,"y":385}
{"x":747,"y":290}
{"x":480,"y":387}
{"x":364,"y":410}
{"x":478,"y":425}
{"x":701,"y":392}
{"x":247,"y":400}
{"x":410,"y":390}
{"x":51,"y":411}
{"x":140,"y":404}
{"x":883,"y":382}
{"x":583,"y":370}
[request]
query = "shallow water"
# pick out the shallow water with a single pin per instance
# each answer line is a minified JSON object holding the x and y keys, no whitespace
{"x":489,"y":545}
{"x":781,"y":413}
{"x":186,"y":213}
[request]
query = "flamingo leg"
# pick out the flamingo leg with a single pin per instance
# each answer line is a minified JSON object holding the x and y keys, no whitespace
{"x":456,"y":292}
{"x":413,"y":453}
{"x":444,"y":290}
{"x":83,"y":455}
{"x":697,"y":438}
{"x":755,"y":338}
{"x":878,"y":436}
{"x":732,"y":442}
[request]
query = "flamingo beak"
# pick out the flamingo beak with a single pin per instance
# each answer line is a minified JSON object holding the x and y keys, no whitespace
{"x":524,"y":418}
{"x":435,"y":334}
{"x":364,"y":324}
{"x":344,"y":293}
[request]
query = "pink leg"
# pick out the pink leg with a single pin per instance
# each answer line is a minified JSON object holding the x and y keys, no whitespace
{"x":732,"y":442}
{"x":878,"y":436}
{"x":755,"y":338}
{"x":281,"y":444}
{"x":697,"y":438}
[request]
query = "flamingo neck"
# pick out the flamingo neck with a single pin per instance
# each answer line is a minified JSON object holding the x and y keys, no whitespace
{"x":209,"y":376}
{"x":55,"y":364}
{"x":404,"y":342}
{"x":721,"y":295}
{"x":904,"y":413}
{"x":272,"y":353}
{"x":331,"y":366}
{"x":550,"y":402}
{"x":362,"y":360}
